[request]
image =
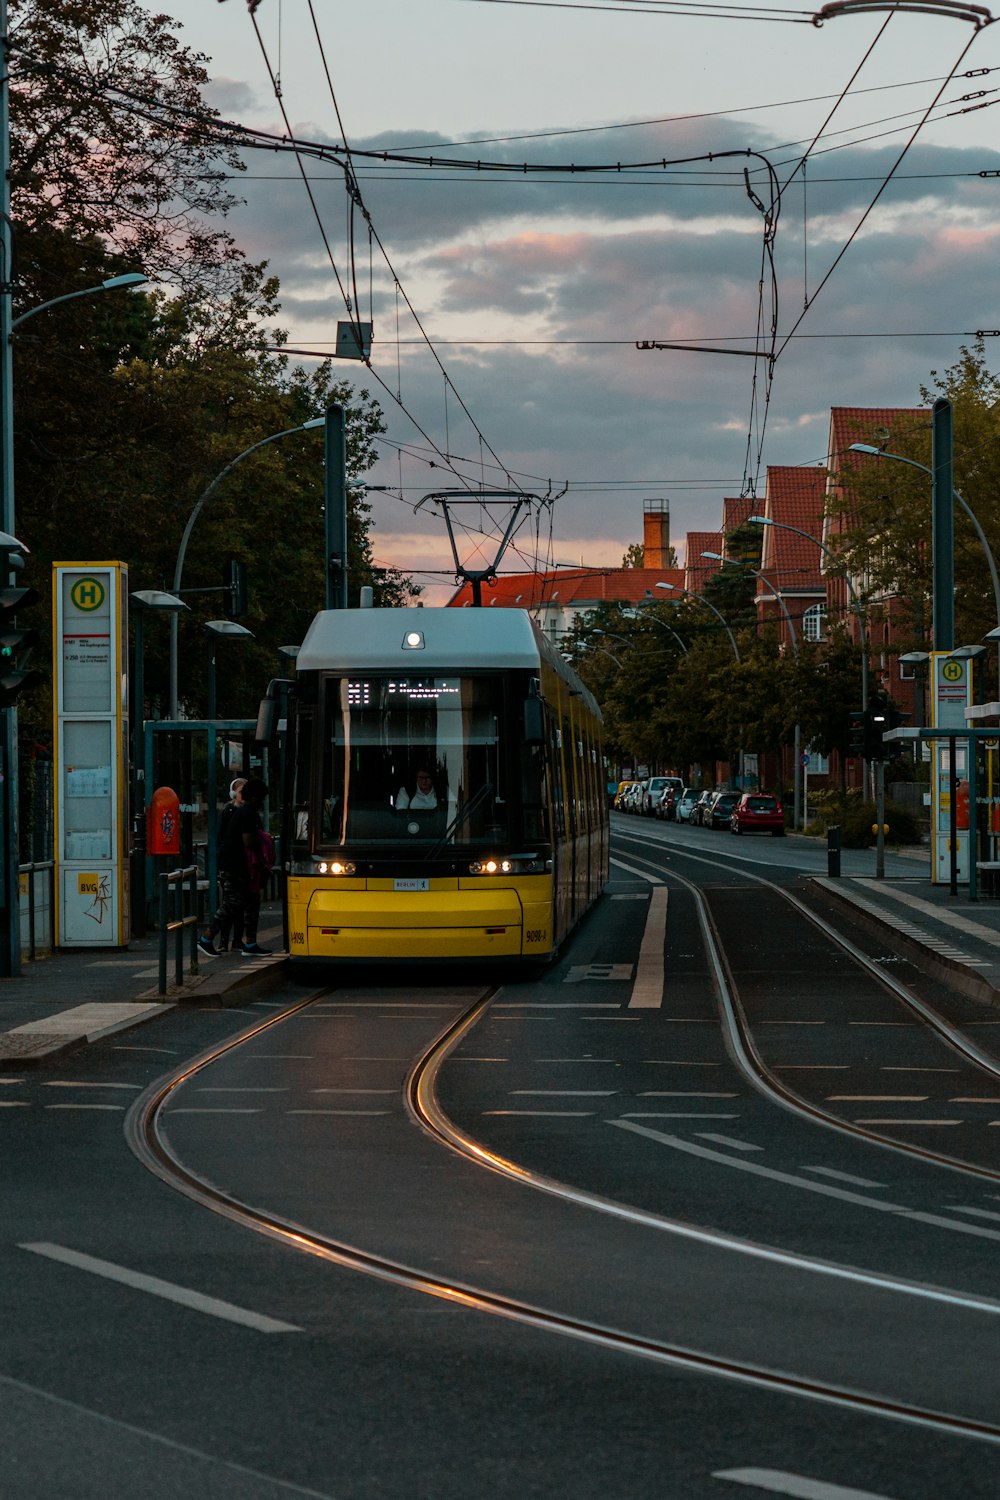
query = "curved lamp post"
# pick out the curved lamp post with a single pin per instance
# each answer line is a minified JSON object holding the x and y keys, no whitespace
{"x":855,"y":601}
{"x":900,"y":458}
{"x":708,"y":605}
{"x":186,"y":535}
{"x":109,"y":284}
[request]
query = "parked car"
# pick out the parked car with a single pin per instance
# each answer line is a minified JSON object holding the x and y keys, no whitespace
{"x":623,"y":787}
{"x":697,"y":812}
{"x":666,"y":802}
{"x":758,"y":812}
{"x":631,"y":797}
{"x":684,"y":806}
{"x":653,"y":790}
{"x":719,"y":812}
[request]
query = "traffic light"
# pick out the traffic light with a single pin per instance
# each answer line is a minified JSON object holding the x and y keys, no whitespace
{"x":234,"y":580}
{"x":880,"y":715}
{"x":16,"y":646}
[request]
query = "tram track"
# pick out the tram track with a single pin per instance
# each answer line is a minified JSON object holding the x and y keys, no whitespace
{"x":739,"y":1033}
{"x":148,"y":1141}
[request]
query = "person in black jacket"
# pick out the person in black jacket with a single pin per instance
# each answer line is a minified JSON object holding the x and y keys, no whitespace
{"x":239,"y":850}
{"x":231,"y":932}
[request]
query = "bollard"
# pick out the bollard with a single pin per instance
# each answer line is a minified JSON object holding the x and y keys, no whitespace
{"x":833,"y":849}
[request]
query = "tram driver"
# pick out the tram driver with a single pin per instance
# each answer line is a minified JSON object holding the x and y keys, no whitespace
{"x":420,"y":796}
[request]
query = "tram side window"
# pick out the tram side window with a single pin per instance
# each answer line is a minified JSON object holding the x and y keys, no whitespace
{"x":300,"y":777}
{"x":534,"y":793}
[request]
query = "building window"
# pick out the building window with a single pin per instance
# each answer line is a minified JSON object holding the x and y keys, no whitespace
{"x":813,"y":622}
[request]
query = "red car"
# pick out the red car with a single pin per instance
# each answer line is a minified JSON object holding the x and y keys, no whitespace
{"x":758,"y":812}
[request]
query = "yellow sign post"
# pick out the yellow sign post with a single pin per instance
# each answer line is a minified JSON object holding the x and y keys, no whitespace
{"x":90,"y":648}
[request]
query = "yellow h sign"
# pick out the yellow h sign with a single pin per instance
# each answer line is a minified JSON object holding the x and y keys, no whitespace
{"x":87,"y":594}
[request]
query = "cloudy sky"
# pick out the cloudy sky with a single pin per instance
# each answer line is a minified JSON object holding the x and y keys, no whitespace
{"x":507,"y":306}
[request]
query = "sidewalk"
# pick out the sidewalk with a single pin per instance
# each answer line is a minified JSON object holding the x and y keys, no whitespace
{"x":77,"y":996}
{"x":959,"y":937}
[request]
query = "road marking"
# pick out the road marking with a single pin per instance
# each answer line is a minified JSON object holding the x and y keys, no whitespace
{"x":727,"y":1140}
{"x":844,"y":1177}
{"x":676,"y":1062}
{"x":15,"y":1104}
{"x":687,"y":1094}
{"x":673,"y":1115}
{"x":84,"y":1106}
{"x":157,"y":1288}
{"x":980,"y":1213}
{"x":971,"y":1099}
{"x":590,"y":973}
{"x":566,"y":1093}
{"x":799,"y":1486}
{"x":878,"y":1098}
{"x":642,"y":874}
{"x":546,"y":1114}
{"x":811,"y":1068}
{"x":208,"y":1109}
{"x":251,"y":1088}
{"x":882,"y":1120}
{"x":899,"y":1068}
{"x":647,"y":991}
{"x":791,"y":1180}
{"x":354,"y":1091}
{"x":365,"y":1112}
{"x":69,"y":1083}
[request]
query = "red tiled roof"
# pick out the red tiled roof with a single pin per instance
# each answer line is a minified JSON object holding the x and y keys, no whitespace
{"x":697,"y":568}
{"x":869,"y":424}
{"x":579,"y":588}
{"x":795,"y":496}
{"x":736,"y":510}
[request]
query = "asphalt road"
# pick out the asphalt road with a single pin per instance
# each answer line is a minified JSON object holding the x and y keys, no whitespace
{"x":742,"y":1299}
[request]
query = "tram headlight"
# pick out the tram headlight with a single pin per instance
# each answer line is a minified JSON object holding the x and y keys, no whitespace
{"x":336,"y":867}
{"x":508,"y":864}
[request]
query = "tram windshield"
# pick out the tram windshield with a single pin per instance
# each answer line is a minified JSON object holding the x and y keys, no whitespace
{"x":416,"y":760}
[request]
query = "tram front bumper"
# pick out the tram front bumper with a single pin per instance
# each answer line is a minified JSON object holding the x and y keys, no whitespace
{"x":449,"y":923}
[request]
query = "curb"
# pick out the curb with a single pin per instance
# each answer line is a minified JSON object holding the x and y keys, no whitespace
{"x":948,"y":970}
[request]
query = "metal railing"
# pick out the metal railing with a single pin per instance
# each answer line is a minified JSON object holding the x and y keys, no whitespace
{"x":172,"y":892}
{"x":46,"y":867}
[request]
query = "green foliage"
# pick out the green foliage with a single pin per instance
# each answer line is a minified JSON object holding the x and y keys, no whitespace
{"x":855,"y":816}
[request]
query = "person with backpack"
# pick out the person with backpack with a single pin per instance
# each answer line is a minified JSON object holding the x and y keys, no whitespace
{"x":243,"y":863}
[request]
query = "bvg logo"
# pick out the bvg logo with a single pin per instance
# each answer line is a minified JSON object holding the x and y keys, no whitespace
{"x":952,"y":671}
{"x":87,"y":594}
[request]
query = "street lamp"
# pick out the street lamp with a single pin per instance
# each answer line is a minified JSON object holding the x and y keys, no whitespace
{"x":109,"y":284}
{"x":199,"y":503}
{"x":899,"y":458}
{"x":157,"y":601}
{"x":217,"y":630}
{"x":855,"y":601}
{"x":637,"y":615}
{"x":709,"y":605}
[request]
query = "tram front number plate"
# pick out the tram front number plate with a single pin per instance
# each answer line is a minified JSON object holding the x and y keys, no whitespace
{"x":411,"y":885}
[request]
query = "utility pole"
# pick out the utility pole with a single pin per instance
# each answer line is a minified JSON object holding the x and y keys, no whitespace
{"x":943,"y":526}
{"x":335,"y":518}
{"x":10,"y":914}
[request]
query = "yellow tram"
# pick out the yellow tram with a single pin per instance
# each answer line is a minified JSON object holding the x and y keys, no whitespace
{"x":445,"y":790}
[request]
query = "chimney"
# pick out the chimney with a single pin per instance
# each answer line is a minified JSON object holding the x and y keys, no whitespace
{"x":656,"y":533}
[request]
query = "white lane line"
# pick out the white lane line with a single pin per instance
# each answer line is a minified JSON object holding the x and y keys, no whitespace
{"x":652,"y":1114}
{"x":675,"y":1062}
{"x":545,"y":1114}
{"x":791,"y":1180}
{"x":250,"y":1088}
{"x":980,"y":1213}
{"x":878,"y":1098}
{"x":973,"y":1099}
{"x":10,"y":1081}
{"x":642,"y":874}
{"x":354,"y":1091}
{"x":811,"y":1068}
{"x":69,"y":1083}
{"x":844,"y":1177}
{"x":799,"y":1486}
{"x":157,"y":1288}
{"x":900,"y":1068}
{"x":647,"y":991}
{"x":881,"y":1120}
{"x":728,"y":1140}
{"x":15,"y":1104}
{"x":564,"y":1093}
{"x":688,"y":1094}
{"x":365,"y":1112}
{"x":208,"y":1109}
{"x":84,"y":1106}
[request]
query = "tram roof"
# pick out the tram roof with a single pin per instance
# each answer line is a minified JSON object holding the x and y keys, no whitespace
{"x":454,"y":640}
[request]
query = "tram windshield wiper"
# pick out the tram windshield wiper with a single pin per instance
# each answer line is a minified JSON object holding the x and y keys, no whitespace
{"x":460,"y":817}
